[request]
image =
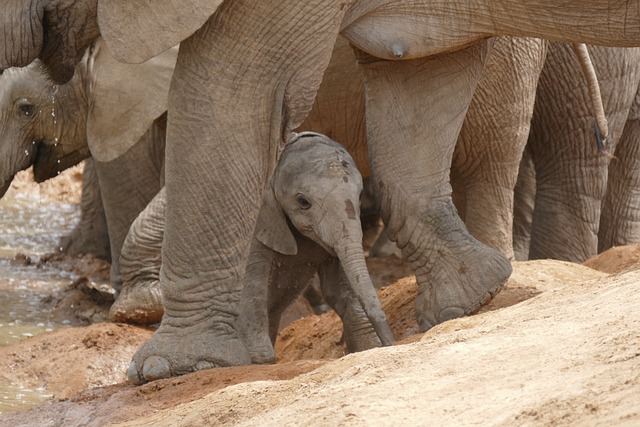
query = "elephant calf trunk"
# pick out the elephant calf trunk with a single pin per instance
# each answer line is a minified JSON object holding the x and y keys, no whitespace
{"x":355,"y":268}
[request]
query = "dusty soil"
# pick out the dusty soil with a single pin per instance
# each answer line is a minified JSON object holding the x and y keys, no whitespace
{"x":65,"y":188}
{"x":559,"y":345}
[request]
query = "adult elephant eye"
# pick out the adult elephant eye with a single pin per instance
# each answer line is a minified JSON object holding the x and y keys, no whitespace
{"x":26,"y":108}
{"x":303,"y":202}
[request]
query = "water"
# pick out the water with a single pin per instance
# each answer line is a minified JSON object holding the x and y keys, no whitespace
{"x":33,"y":228}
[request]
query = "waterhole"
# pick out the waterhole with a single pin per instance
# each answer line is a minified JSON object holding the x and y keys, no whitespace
{"x":31,"y":227}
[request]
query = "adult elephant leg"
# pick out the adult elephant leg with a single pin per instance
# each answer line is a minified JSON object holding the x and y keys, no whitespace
{"x":128,"y":184}
{"x":414,"y":113}
{"x":571,"y":177}
{"x":620,"y":218}
{"x":90,"y":235}
{"x":234,"y":98}
{"x":493,"y":137}
{"x":523,"y":204}
{"x":139,"y":300}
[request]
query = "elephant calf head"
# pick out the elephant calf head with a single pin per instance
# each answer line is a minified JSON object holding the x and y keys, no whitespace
{"x":316,"y":190}
{"x":41,"y":124}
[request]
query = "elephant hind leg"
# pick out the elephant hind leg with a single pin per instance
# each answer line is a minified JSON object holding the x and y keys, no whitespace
{"x":456,"y":273}
{"x":415,"y":110}
{"x":620,"y":217}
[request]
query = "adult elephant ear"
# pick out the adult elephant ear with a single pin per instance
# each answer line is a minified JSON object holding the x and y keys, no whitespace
{"x":137,"y":30}
{"x":21,"y":32}
{"x":125,"y":99}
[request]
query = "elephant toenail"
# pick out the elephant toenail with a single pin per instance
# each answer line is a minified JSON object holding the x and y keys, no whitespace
{"x":450,"y":313}
{"x":156,"y":367}
{"x":203,"y":364}
{"x":132,"y":374}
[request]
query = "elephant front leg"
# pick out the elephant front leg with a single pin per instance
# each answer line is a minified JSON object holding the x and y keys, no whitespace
{"x":241,"y":83}
{"x":140,"y":301}
{"x":253,"y":322}
{"x":415,"y":111}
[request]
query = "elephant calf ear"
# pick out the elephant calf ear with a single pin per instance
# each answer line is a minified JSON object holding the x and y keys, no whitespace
{"x":21,"y":35}
{"x":137,"y":30}
{"x":272,"y":229}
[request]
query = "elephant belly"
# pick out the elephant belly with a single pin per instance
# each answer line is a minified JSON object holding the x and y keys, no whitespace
{"x":401,"y":31}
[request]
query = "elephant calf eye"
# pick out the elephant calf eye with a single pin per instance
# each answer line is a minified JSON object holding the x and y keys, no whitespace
{"x":26,"y":108}
{"x":303,"y":202}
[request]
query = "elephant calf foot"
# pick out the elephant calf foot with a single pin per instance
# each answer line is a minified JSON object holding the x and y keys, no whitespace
{"x":140,"y":304}
{"x":261,"y":350}
{"x":456,"y":284}
{"x":173,"y":351}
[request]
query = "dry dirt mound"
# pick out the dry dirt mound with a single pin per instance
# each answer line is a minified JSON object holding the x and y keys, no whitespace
{"x":570,"y":356}
{"x":316,"y":337}
{"x":567,"y":356}
{"x":616,"y":260}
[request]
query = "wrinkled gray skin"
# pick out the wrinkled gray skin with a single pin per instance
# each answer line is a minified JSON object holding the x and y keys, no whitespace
{"x":487,"y":156}
{"x":45,"y":125}
{"x":309,"y":223}
{"x":90,"y":236}
{"x":585,"y":202}
{"x":490,"y":144}
{"x":420,"y":59}
{"x":128,"y":183}
{"x":35,"y":129}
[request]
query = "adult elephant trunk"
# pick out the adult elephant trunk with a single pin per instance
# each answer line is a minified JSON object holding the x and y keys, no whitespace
{"x":351,"y":255}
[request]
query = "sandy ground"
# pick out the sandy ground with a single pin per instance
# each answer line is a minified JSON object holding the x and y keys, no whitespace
{"x":559,"y":345}
{"x":65,"y":188}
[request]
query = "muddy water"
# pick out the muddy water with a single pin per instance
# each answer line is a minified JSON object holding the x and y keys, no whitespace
{"x":31,"y":227}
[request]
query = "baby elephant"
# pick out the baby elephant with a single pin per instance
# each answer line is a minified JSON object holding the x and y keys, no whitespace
{"x":309,"y":223}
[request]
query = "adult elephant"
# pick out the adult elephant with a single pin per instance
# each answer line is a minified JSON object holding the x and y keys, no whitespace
{"x":419,"y":59}
{"x":584,"y":201}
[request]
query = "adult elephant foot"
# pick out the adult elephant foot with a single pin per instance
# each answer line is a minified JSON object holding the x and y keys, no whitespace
{"x":177,"y":350}
{"x":138,"y":304}
{"x":456,"y":274}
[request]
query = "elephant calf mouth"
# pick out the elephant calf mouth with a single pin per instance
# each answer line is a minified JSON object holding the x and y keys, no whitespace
{"x":50,"y":161}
